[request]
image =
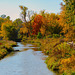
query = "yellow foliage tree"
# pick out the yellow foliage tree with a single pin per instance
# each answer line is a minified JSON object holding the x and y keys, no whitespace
{"x":42,"y":30}
{"x":3,"y":29}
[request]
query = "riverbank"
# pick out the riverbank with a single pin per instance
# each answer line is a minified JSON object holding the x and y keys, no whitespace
{"x":25,"y":62}
{"x":6,"y":47}
{"x":61,"y":56}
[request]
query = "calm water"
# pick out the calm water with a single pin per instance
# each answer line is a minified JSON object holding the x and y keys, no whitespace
{"x":25,"y":62}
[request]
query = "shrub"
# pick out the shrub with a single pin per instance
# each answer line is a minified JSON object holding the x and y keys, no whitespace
{"x":44,"y":37}
{"x":62,"y":50}
{"x":56,"y":35}
{"x":0,"y":43}
{"x":49,"y":36}
{"x":73,"y":73}
{"x":64,"y":74}
{"x":39,"y":36}
{"x":47,"y":52}
{"x":24,"y":38}
{"x":3,"y":52}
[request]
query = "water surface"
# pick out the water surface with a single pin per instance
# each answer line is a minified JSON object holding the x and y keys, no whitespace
{"x":25,"y":62}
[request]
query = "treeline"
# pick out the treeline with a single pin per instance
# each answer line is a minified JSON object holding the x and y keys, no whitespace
{"x":10,"y":29}
{"x":40,"y":25}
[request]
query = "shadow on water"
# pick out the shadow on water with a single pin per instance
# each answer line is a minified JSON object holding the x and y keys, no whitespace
{"x":26,"y":61}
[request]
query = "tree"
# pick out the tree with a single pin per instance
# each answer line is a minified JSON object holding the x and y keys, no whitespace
{"x":53,"y":25}
{"x":42,"y":13}
{"x":43,"y":30}
{"x":17,"y":23}
{"x":1,"y":21}
{"x":67,"y":19}
{"x":23,"y":13}
{"x":8,"y":17}
{"x":69,"y":11}
{"x":23,"y":31}
{"x":37,"y":24}
{"x":3,"y":16}
{"x":9,"y":31}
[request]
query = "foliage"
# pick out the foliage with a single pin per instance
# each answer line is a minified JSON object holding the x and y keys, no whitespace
{"x":9,"y":31}
{"x":6,"y":47}
{"x":24,"y":30}
{"x":3,"y":52}
{"x":50,"y":27}
{"x":69,"y":12}
{"x":68,"y":18}
{"x":39,"y":36}
{"x":23,"y":13}
{"x":18,"y":25}
{"x":60,"y":55}
{"x":37,"y":24}
{"x":56,"y":35}
{"x":1,"y":21}
{"x":42,"y":30}
{"x":49,"y":36}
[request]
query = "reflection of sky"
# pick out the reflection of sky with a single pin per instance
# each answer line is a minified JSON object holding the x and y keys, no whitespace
{"x":11,"y":7}
{"x":28,"y":62}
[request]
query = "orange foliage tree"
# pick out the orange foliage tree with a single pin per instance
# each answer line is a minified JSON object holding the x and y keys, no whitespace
{"x":37,"y":24}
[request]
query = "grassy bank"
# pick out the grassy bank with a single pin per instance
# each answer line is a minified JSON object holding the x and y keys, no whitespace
{"x":61,"y":56}
{"x":6,"y":47}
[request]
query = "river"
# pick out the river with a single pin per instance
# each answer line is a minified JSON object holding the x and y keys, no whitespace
{"x":24,"y":62}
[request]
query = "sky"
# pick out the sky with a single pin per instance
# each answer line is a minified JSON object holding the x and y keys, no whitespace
{"x":11,"y":7}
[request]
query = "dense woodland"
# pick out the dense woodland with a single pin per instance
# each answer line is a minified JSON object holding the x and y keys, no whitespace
{"x":43,"y":24}
{"x":43,"y":27}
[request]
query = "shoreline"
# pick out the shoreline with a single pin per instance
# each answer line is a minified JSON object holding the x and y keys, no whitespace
{"x":6,"y":47}
{"x":59,"y":52}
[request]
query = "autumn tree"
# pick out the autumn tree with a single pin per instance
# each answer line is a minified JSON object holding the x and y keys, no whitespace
{"x":70,"y":11}
{"x":67,"y":18}
{"x":42,"y":13}
{"x":23,"y":13}
{"x":9,"y":31}
{"x":17,"y":23}
{"x":8,"y":17}
{"x":37,"y":24}
{"x":53,"y":25}
{"x":1,"y":21}
{"x":23,"y":31}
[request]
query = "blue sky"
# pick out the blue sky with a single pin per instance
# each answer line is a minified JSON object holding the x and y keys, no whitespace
{"x":11,"y":7}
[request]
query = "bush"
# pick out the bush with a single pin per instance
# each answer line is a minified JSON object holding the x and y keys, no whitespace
{"x":49,"y":36}
{"x":47,"y":52}
{"x":73,"y":73}
{"x":44,"y":37}
{"x":39,"y":36}
{"x":3,"y":52}
{"x":0,"y":43}
{"x":56,"y":35}
{"x":24,"y":38}
{"x":64,"y":74}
